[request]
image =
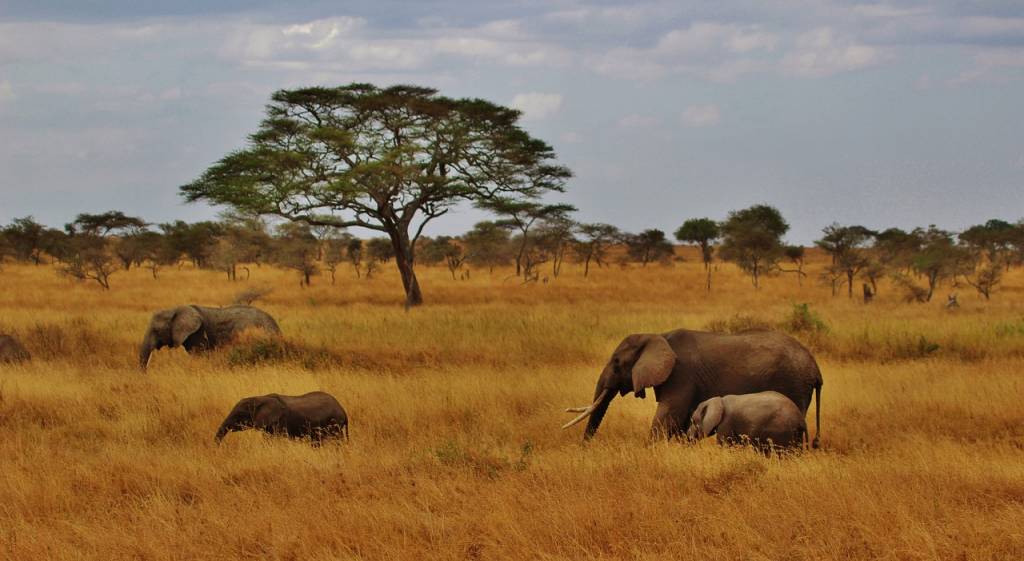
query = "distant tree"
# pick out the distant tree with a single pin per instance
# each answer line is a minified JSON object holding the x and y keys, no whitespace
{"x":994,"y":238}
{"x":354,"y":253}
{"x":703,"y":232}
{"x":938,"y":257}
{"x":26,"y":239}
{"x":520,"y":216}
{"x":649,"y":245}
{"x":296,"y":248}
{"x":390,"y":160}
{"x":985,"y":278}
{"x":752,"y":238}
{"x":846,"y":245}
{"x":380,"y":250}
{"x":556,"y":236}
{"x":117,"y":229}
{"x":89,"y":258}
{"x":448,"y":250}
{"x":872,"y":272}
{"x":488,"y":245}
{"x":593,"y":242}
{"x":5,"y":248}
{"x":896,"y":248}
{"x":795,"y":254}
{"x":157,"y":252}
{"x":107,"y":223}
{"x":195,"y":241}
{"x":428,"y":252}
{"x":334,"y":248}
{"x":241,"y":240}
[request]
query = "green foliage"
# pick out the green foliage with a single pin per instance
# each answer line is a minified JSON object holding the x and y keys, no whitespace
{"x":701,"y":231}
{"x":752,"y":238}
{"x":387,"y":159}
{"x":649,"y":246}
{"x":802,"y":319}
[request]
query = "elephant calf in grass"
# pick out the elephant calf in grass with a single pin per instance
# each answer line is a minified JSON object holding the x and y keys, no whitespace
{"x":768,"y":420}
{"x":316,"y":415}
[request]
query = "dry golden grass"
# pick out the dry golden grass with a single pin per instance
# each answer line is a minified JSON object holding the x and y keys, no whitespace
{"x":455,"y":407}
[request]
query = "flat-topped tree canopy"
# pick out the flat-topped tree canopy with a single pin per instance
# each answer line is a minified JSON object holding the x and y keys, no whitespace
{"x":387,"y":159}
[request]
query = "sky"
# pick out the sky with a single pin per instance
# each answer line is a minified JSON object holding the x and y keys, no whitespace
{"x":882,"y":114}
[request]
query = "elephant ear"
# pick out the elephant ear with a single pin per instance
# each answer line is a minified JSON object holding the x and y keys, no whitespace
{"x":267,"y":411}
{"x":712,"y":417}
{"x":186,"y":322}
{"x":655,"y":363}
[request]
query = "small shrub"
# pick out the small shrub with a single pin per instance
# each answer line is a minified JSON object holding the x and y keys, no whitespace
{"x":486,"y":465}
{"x":1010,"y":328}
{"x":254,"y":350}
{"x":802,"y":320}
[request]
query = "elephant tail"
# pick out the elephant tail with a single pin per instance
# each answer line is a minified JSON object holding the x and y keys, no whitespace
{"x":816,"y":443}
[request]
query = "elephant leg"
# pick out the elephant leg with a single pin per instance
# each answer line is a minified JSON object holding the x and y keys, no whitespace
{"x":667,"y":423}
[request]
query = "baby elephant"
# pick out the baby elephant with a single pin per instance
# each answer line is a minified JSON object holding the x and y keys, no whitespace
{"x":769,"y":420}
{"x":316,"y":415}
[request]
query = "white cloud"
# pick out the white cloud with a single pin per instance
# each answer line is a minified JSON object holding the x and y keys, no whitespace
{"x":701,"y":115}
{"x":821,"y":52}
{"x":6,"y":92}
{"x":707,"y":37}
{"x":536,"y":106}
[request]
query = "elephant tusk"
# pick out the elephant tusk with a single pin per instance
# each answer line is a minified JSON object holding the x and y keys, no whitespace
{"x":584,"y":412}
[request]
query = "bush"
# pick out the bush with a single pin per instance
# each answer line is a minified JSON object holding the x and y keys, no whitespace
{"x":802,"y":320}
{"x":260,"y":349}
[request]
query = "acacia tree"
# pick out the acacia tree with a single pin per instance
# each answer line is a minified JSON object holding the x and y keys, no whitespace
{"x":649,"y":245}
{"x":26,"y":239}
{"x":521,"y":215}
{"x":487,"y":245}
{"x":994,"y":238}
{"x":386,"y":159}
{"x":703,"y":232}
{"x":846,"y":245}
{"x":752,"y":238}
{"x":594,"y":242}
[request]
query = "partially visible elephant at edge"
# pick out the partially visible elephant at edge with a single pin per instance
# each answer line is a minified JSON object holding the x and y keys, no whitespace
{"x":686,"y":367}
{"x":11,"y":350}
{"x":198,"y":328}
{"x":768,"y":420}
{"x":316,"y":415}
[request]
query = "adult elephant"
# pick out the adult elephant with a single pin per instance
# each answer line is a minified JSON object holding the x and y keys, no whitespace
{"x":198,"y":327}
{"x":687,"y":367}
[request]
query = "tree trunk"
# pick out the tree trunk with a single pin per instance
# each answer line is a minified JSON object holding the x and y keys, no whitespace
{"x":849,"y":283}
{"x":404,"y":258}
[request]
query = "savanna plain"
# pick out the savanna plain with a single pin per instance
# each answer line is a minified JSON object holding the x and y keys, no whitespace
{"x":455,"y":407}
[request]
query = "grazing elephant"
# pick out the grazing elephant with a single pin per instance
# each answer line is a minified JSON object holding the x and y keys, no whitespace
{"x":316,"y":415}
{"x":687,"y":367}
{"x":768,"y":420}
{"x":199,"y":327}
{"x":11,"y":350}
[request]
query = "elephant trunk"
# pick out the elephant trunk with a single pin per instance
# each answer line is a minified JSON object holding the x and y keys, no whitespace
{"x":146,"y":349}
{"x":221,"y":432}
{"x":603,"y":398}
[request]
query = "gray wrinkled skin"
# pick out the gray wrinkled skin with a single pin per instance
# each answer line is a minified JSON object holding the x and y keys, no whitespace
{"x":198,"y":327}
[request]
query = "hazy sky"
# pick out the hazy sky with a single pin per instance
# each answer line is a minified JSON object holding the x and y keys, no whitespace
{"x":901,"y":113}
